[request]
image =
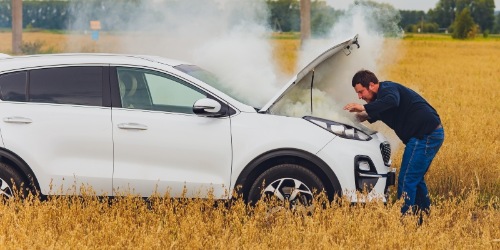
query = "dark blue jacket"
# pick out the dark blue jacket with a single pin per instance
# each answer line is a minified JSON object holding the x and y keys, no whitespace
{"x":403,"y":110}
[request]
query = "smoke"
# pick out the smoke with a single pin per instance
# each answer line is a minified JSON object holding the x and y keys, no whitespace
{"x":226,"y":37}
{"x":374,"y":25}
{"x":230,"y":39}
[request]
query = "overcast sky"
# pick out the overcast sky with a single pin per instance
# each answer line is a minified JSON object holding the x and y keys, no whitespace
{"x":399,"y":4}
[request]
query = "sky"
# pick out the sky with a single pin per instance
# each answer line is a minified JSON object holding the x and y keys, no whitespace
{"x":424,"y":5}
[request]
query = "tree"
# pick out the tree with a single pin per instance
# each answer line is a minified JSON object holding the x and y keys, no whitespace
{"x":496,"y":28}
{"x":285,"y":16}
{"x":286,"y":13}
{"x":483,"y":13}
{"x":444,"y":13}
{"x":45,"y":14}
{"x":464,"y":26}
{"x":382,"y":16}
{"x":423,"y":27}
{"x":411,"y":17}
{"x":323,"y":18}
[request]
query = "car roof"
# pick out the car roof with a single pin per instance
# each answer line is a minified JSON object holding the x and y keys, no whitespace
{"x":16,"y":63}
{"x":33,"y":61}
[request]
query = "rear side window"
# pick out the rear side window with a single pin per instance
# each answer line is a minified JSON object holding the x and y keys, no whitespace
{"x":13,"y":86}
{"x":67,"y":85}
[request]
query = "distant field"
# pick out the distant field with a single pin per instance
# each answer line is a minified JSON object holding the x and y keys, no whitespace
{"x":459,"y":78}
{"x":60,"y":42}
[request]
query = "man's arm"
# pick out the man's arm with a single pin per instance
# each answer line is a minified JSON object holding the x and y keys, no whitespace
{"x":362,"y":116}
{"x":354,"y":107}
{"x":386,"y":100}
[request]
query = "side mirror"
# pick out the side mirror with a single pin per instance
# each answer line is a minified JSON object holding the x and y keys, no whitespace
{"x":207,"y":107}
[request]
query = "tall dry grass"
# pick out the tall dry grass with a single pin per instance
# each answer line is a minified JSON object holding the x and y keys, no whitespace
{"x":459,"y":78}
{"x":159,"y":223}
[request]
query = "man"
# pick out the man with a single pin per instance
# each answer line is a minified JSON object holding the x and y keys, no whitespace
{"x":415,"y":122}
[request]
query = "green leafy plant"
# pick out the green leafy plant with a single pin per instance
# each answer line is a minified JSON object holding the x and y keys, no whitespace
{"x":31,"y":47}
{"x":464,"y":26}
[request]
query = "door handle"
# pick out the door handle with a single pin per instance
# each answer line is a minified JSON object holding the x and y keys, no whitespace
{"x":374,"y":175}
{"x":132,"y":125}
{"x":17,"y":119}
{"x":371,"y":175}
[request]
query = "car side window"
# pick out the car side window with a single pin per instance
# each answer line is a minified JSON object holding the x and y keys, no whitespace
{"x":80,"y":85}
{"x":13,"y":86}
{"x":150,"y":90}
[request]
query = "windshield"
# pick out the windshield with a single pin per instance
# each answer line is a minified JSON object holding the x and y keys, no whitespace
{"x":206,"y":77}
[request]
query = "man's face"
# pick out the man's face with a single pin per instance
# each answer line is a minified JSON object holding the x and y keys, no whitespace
{"x":364,"y":93}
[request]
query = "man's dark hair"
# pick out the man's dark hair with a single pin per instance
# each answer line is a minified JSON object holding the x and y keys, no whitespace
{"x":364,"y":77}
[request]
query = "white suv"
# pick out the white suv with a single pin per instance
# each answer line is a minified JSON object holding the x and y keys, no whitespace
{"x":145,"y":124}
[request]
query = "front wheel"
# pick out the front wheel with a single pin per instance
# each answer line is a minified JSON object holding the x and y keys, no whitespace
{"x":10,"y":178}
{"x":289,"y":183}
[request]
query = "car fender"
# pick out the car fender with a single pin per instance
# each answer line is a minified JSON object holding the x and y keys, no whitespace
{"x":287,"y":155}
{"x":20,"y":165}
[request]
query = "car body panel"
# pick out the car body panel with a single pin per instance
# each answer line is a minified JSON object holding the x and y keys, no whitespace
{"x":175,"y":151}
{"x":64,"y":145}
{"x":60,"y":60}
{"x":254,"y":134}
{"x":339,"y":155}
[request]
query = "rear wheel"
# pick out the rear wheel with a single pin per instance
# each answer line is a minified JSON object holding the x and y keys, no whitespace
{"x":288,"y":183}
{"x":11,"y":182}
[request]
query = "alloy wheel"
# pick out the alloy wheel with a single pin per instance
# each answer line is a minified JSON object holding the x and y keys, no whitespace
{"x":290,"y":190}
{"x":5,"y":189}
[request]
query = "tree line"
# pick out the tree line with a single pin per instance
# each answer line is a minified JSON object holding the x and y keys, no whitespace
{"x":462,"y":18}
{"x":469,"y":16}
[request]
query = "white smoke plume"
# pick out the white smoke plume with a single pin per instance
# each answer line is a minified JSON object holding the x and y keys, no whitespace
{"x":226,"y":37}
{"x":231,"y":39}
{"x":333,"y":89}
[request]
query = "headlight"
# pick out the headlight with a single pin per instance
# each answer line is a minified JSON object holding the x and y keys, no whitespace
{"x":342,"y":130}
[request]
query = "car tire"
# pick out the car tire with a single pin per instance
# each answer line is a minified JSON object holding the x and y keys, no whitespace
{"x":288,"y":183}
{"x":11,"y":182}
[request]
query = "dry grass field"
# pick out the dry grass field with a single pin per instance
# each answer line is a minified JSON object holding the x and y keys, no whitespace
{"x":459,"y":78}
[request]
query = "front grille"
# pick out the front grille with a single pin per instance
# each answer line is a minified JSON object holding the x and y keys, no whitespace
{"x":385,"y":149}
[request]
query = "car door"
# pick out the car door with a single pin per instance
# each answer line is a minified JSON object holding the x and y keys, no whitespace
{"x":54,"y":119}
{"x":160,"y":145}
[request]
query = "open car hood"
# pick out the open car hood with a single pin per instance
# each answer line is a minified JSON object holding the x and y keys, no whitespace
{"x":309,"y":70}
{"x":321,"y":88}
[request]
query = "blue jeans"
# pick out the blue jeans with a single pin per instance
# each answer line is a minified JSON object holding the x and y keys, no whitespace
{"x":417,"y":158}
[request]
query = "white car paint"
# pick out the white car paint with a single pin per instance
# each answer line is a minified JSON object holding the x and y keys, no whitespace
{"x":175,"y":150}
{"x":255,"y":134}
{"x":64,"y":145}
{"x":118,"y":150}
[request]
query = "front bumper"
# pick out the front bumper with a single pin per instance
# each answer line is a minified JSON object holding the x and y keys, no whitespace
{"x":363,"y":168}
{"x":366,"y":175}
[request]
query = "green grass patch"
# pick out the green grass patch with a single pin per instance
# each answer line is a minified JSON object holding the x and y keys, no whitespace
{"x":447,"y":37}
{"x":285,"y":35}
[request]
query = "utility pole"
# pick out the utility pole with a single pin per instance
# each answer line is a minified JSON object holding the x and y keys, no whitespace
{"x":305,"y":20}
{"x":422,"y":24}
{"x":17,"y":26}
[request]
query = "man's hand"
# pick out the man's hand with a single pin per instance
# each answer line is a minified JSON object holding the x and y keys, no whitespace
{"x":354,"y":107}
{"x":362,"y":116}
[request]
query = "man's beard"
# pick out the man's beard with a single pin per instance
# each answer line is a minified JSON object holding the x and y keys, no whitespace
{"x":374,"y":97}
